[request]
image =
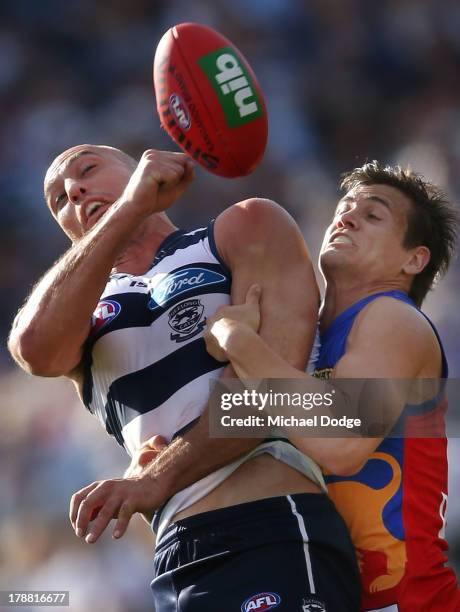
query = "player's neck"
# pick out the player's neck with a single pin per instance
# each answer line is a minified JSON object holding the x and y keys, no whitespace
{"x":340,"y":296}
{"x":140,"y":252}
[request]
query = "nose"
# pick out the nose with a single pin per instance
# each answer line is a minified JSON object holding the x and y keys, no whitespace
{"x":74,"y":190}
{"x":348,"y":218}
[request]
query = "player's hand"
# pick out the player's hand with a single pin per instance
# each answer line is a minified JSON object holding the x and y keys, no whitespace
{"x":144,"y":455}
{"x":93,"y":507}
{"x":160,"y":178}
{"x":228,"y":321}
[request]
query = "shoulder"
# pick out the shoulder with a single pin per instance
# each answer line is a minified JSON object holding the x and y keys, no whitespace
{"x":398,"y":331}
{"x":386,"y":314}
{"x":252,"y":224}
{"x":120,"y":283}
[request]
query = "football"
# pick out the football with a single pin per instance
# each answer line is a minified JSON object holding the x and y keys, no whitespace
{"x":209,"y":100}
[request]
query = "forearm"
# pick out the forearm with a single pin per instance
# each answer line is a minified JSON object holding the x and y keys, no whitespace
{"x":61,"y":304}
{"x":252,"y":359}
{"x":194,"y":455}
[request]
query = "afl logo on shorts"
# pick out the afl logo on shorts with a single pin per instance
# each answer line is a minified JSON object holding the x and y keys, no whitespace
{"x":105,"y":312}
{"x":261,"y":601}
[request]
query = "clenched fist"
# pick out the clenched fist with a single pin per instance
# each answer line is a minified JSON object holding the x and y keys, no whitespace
{"x":160,"y":178}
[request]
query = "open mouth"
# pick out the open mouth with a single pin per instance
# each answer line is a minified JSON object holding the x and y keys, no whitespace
{"x":95,"y":210}
{"x":93,"y":207}
{"x":340,"y":239}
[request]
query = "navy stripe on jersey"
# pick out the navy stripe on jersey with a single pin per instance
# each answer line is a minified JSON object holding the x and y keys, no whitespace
{"x":175,"y":241}
{"x":112,"y":422}
{"x":145,"y":390}
{"x":134,"y":306}
{"x":87,"y":386}
{"x":183,"y":430}
{"x":178,"y":240}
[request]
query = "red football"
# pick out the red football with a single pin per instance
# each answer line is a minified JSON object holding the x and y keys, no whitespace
{"x":209,"y":100}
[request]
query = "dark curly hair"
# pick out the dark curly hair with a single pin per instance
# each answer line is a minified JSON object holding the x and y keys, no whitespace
{"x":432,"y":220}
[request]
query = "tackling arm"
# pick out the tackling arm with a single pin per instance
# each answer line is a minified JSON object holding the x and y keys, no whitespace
{"x":406,"y":349}
{"x":261,"y":244}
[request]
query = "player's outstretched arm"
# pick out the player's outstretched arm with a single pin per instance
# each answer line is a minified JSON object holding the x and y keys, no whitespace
{"x":50,"y":330}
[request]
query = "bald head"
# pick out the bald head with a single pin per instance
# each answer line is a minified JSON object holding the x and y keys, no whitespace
{"x":65,"y":159}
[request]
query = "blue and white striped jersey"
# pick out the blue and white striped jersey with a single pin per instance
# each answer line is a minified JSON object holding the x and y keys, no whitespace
{"x":146,"y":368}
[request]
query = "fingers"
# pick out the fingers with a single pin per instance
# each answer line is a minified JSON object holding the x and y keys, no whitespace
{"x":168,"y":169}
{"x":158,"y":181}
{"x":76,"y":501}
{"x":220,"y":331}
{"x":157,"y":443}
{"x":146,"y":456}
{"x":124,"y":516}
{"x":149,"y":450}
{"x":189,"y":173}
{"x":253,"y":295}
{"x":98,"y":504}
{"x":146,"y":453}
{"x":105,"y":514}
{"x":212,"y":345}
{"x":118,"y":498}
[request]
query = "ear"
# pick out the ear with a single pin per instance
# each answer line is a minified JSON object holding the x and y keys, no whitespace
{"x":417,"y":260}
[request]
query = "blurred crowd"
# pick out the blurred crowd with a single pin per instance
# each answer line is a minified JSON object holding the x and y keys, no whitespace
{"x":345,"y":81}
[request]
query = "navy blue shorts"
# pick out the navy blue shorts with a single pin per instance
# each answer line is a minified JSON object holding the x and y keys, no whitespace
{"x":292,"y":553}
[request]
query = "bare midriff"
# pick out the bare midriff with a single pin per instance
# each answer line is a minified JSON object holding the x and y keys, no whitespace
{"x":258,"y":478}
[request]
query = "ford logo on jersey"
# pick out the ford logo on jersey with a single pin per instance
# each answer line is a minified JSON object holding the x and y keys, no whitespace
{"x":180,"y":282}
{"x":262,"y":601}
{"x":105,"y":312}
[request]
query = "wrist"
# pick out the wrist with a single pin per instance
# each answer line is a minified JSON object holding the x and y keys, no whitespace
{"x":160,"y":477}
{"x":136,"y":208}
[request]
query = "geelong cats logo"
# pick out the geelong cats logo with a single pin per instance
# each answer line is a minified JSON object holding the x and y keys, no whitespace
{"x":186,"y":319}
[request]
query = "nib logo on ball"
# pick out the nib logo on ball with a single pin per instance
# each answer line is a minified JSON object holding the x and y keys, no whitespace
{"x":233,"y":86}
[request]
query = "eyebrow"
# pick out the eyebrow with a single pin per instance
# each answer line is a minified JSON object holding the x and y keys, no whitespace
{"x":64,"y":166}
{"x":373,"y":198}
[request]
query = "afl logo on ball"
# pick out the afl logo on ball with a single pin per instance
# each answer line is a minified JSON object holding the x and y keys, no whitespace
{"x":180,"y":111}
{"x":186,"y":320}
{"x":261,"y":601}
{"x":105,"y":312}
